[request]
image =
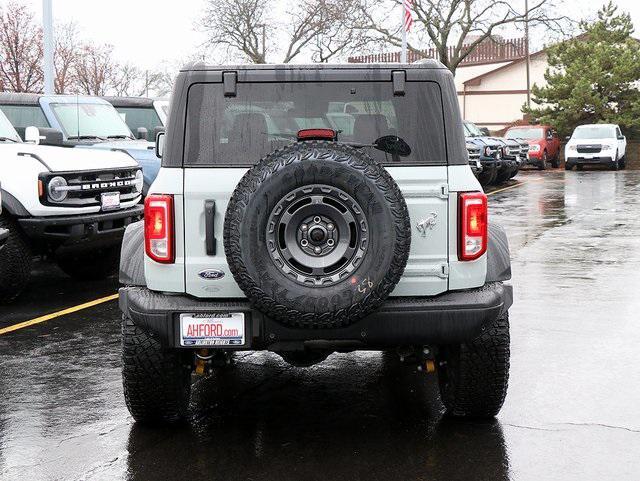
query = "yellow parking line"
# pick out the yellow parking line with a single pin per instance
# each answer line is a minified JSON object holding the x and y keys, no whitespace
{"x":53,"y":315}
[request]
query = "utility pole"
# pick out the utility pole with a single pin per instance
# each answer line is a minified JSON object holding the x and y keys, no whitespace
{"x":47,"y":29}
{"x":526,"y":47}
{"x":264,"y":43}
{"x":403,"y":54}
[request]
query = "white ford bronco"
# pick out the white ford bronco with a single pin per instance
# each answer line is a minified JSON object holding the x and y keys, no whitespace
{"x":69,"y":204}
{"x":307,"y":210}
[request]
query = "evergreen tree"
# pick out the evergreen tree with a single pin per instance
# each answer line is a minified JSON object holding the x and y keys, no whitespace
{"x":593,"y":77}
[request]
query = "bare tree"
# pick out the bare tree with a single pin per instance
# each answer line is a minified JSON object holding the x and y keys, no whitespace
{"x":65,"y":58}
{"x":95,"y":69}
{"x":456,"y":27}
{"x":20,"y":50}
{"x":319,"y":28}
{"x":238,"y":25}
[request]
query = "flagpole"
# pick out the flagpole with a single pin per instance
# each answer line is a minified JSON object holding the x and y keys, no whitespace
{"x":403,"y":56}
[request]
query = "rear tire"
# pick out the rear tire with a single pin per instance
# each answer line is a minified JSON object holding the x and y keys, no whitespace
{"x":156,"y":381}
{"x":473,"y":377}
{"x":579,"y":167}
{"x":93,"y":266}
{"x":15,"y":262}
{"x":568,"y":166}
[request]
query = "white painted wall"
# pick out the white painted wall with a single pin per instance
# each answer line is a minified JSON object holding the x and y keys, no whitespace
{"x":500,"y":107}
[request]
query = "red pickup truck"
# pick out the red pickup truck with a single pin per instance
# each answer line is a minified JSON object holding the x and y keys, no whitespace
{"x":544,"y":144}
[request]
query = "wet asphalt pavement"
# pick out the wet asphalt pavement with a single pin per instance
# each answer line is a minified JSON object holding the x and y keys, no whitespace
{"x":572,"y":411}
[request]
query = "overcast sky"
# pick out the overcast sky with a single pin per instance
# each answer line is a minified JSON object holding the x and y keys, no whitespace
{"x":147,"y":32}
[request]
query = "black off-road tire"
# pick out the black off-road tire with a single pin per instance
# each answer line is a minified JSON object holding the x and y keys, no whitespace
{"x":623,"y":162}
{"x":156,"y":381}
{"x":488,"y":177}
{"x":15,"y":261}
{"x":290,"y":169}
{"x":473,"y":376}
{"x":579,"y":166}
{"x":91,"y":266}
{"x":555,"y":161}
{"x":502,"y":177}
{"x":568,"y":166}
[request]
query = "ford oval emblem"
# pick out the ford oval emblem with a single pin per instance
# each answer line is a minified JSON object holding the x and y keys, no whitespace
{"x":211,"y":274}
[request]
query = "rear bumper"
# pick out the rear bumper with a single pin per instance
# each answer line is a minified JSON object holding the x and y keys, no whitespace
{"x":102,"y":227}
{"x":453,"y":317}
{"x":601,"y":160}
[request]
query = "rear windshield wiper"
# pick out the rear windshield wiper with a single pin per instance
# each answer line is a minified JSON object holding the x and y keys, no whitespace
{"x":4,"y":139}
{"x":85,"y":137}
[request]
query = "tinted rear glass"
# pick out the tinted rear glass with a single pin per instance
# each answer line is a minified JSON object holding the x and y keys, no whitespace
{"x":136,"y":117}
{"x":22,"y":116}
{"x":238,"y":131}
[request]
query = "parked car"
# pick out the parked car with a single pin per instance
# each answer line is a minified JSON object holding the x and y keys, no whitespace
{"x":491,"y":153}
{"x":544,"y":144}
{"x":270,"y":229}
{"x":4,"y":233}
{"x":69,"y":204}
{"x":601,"y":144}
{"x":79,"y":121}
{"x":511,"y":160}
{"x":144,"y":116}
{"x":474,"y":159}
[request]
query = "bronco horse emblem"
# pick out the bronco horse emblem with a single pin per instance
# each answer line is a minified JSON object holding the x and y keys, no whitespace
{"x":427,"y":224}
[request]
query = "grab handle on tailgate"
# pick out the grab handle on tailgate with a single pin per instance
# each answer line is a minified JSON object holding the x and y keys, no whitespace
{"x":209,"y":218}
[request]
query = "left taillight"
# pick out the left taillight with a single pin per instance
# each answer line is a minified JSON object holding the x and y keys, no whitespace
{"x":159,"y":228}
{"x":473,"y":225}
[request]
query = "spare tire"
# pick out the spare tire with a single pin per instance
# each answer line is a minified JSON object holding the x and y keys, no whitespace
{"x":317,"y":234}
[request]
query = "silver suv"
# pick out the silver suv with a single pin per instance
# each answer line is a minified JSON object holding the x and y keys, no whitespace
{"x":307,"y":210}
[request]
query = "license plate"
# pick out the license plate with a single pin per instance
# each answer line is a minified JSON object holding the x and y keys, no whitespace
{"x":110,"y":200}
{"x":219,"y":329}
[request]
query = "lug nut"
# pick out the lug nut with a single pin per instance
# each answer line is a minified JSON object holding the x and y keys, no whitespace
{"x":317,"y":219}
{"x":304,"y":242}
{"x":330,"y":242}
{"x":317,"y":250}
{"x":304,"y":227}
{"x":330,"y":226}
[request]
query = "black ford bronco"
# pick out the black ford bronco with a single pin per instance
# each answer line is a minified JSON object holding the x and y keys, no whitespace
{"x":307,"y":210}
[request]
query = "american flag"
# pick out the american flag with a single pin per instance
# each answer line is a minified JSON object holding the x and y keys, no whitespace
{"x":408,"y":19}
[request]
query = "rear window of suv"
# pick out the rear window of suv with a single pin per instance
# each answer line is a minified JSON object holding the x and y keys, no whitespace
{"x":238,"y":131}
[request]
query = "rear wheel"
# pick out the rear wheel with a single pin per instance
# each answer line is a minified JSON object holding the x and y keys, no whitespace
{"x":156,"y":381}
{"x":473,"y":376}
{"x":15,"y":261}
{"x":93,"y":266}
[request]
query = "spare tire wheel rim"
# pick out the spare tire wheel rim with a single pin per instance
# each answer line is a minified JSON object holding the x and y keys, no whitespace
{"x":317,"y":235}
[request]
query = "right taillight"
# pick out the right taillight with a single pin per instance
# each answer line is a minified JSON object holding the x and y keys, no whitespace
{"x":158,"y":228}
{"x":473,"y":227}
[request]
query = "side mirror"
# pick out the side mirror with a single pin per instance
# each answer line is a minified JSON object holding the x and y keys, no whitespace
{"x":32,"y":135}
{"x":51,"y":137}
{"x":141,"y":133}
{"x":160,"y":139}
{"x":622,"y":137}
{"x":157,"y":129}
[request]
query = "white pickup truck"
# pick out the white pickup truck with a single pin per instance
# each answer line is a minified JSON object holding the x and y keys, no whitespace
{"x":70,"y":205}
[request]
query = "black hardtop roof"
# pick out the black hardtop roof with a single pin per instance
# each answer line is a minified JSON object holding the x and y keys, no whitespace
{"x":129,"y":101}
{"x":13,"y":98}
{"x":422,"y":64}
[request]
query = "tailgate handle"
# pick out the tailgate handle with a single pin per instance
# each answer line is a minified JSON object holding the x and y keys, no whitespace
{"x":209,"y":218}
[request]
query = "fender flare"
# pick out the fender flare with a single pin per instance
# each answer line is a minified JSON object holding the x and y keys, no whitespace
{"x":13,"y":206}
{"x":498,"y":256}
{"x":132,"y":256}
